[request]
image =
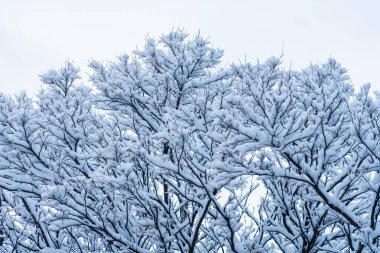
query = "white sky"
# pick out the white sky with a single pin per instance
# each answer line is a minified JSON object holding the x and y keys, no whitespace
{"x":36,"y":35}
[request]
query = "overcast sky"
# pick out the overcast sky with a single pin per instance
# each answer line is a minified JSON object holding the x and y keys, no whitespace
{"x":36,"y":35}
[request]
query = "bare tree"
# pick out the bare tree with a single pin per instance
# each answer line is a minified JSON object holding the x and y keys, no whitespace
{"x":165,"y":151}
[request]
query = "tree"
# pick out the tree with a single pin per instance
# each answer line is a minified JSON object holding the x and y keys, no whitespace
{"x":164,"y":151}
{"x":305,"y":130}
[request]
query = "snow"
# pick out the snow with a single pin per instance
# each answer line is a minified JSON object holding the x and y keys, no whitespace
{"x":166,"y":151}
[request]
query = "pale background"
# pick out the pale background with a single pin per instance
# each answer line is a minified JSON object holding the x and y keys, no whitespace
{"x":36,"y":35}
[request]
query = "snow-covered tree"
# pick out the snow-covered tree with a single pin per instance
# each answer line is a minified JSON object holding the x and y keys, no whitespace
{"x":313,"y":144}
{"x":164,"y":150}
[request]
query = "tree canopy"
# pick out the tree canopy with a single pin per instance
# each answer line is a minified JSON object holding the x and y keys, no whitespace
{"x":166,"y":150}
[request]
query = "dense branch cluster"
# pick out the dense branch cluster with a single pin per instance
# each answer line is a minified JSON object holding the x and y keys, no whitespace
{"x":166,"y":151}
